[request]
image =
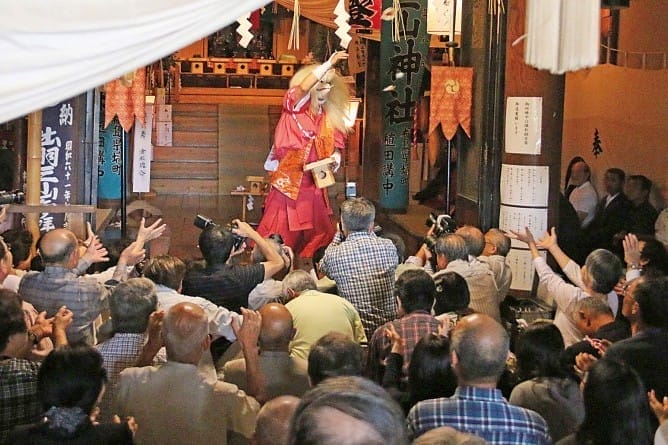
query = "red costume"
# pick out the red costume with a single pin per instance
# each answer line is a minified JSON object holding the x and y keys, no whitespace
{"x":295,"y":207}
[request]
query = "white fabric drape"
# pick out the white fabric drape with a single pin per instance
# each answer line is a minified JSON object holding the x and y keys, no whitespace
{"x":53,"y":50}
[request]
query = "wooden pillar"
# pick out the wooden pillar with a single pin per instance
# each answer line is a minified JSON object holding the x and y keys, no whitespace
{"x":522,"y":80}
{"x":33,"y":171}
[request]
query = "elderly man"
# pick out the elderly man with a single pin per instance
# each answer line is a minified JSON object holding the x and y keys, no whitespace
{"x":348,"y":410}
{"x":225,"y":284}
{"x":452,"y":255}
{"x":362,"y":264}
{"x":285,"y":374}
{"x":273,"y":421}
{"x":59,"y":285}
{"x":131,"y":304}
{"x":174,"y":404}
{"x":497,"y":246}
{"x":645,"y":305}
{"x":479,"y":349}
{"x":315,"y":313}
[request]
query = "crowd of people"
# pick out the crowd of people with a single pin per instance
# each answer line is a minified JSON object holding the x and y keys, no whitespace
{"x":370,"y":347}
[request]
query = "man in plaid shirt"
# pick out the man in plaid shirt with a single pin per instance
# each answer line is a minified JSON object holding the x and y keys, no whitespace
{"x":479,"y":350}
{"x":362,"y":264}
{"x":415,"y":297}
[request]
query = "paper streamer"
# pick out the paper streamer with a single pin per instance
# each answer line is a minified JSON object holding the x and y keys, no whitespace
{"x":343,"y":28}
{"x":293,"y":41}
{"x":244,"y":30}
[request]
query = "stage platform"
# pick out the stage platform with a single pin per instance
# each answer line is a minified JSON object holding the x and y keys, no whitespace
{"x":178,"y":212}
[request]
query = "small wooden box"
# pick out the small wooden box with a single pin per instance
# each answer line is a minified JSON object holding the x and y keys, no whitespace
{"x":255,"y":184}
{"x":197,"y":65}
{"x":322,"y":173}
{"x":219,"y":65}
{"x":287,"y":69}
{"x":242,"y":66}
{"x":267,"y":67}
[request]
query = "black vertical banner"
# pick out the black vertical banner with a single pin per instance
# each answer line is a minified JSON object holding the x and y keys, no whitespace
{"x":58,"y":138}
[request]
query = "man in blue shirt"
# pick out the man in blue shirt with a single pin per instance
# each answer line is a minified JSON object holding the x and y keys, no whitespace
{"x":478,"y":351}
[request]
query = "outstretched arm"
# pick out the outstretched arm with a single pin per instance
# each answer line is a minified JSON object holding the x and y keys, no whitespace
{"x":248,"y":334}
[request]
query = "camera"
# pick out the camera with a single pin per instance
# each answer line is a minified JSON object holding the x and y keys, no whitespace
{"x":442,"y":224}
{"x":202,"y":223}
{"x":14,"y":197}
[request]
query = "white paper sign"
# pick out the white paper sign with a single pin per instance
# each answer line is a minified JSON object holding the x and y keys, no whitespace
{"x":439,"y":17}
{"x":521,"y":264}
{"x":525,"y":185}
{"x":523,"y":125}
{"x":517,"y":218}
{"x":143,"y":154}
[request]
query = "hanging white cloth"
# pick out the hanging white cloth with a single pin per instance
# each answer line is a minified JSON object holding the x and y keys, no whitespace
{"x":56,"y":50}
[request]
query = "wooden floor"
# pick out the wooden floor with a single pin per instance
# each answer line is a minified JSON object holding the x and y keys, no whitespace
{"x":179,"y":211}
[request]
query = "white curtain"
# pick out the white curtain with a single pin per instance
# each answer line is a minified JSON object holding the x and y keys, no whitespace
{"x":51,"y":50}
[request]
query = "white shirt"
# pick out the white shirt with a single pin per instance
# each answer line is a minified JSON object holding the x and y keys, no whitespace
{"x":220,"y":319}
{"x":584,"y":200}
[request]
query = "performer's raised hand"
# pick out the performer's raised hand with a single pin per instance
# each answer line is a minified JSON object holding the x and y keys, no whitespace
{"x":336,"y":56}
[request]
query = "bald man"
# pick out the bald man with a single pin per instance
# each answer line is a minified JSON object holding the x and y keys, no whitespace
{"x":59,"y":284}
{"x":174,"y":403}
{"x":478,"y":351}
{"x":285,"y":374}
{"x":273,"y":421}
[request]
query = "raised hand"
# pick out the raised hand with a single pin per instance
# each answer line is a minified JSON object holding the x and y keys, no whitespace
{"x":659,"y":408}
{"x":95,"y":251}
{"x":525,"y":237}
{"x":151,"y":232}
{"x":631,"y":250}
{"x":248,"y":331}
{"x":549,"y":240}
{"x":132,"y":254}
{"x":154,"y":328}
{"x":584,"y":361}
{"x":337,"y":56}
{"x":63,"y":318}
{"x":398,"y":343}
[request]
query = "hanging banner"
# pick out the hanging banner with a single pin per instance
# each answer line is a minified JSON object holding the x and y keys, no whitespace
{"x":143,"y":154}
{"x":58,"y":136}
{"x":401,"y":71}
{"x":364,"y":14}
{"x":109,"y":161}
{"x":451,"y":100}
{"x":125,"y":98}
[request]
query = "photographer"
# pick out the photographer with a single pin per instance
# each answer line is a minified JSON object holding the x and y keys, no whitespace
{"x":450,"y":253}
{"x":224,"y":284}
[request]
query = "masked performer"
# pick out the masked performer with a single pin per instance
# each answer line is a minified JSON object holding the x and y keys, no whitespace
{"x":311,"y":128}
